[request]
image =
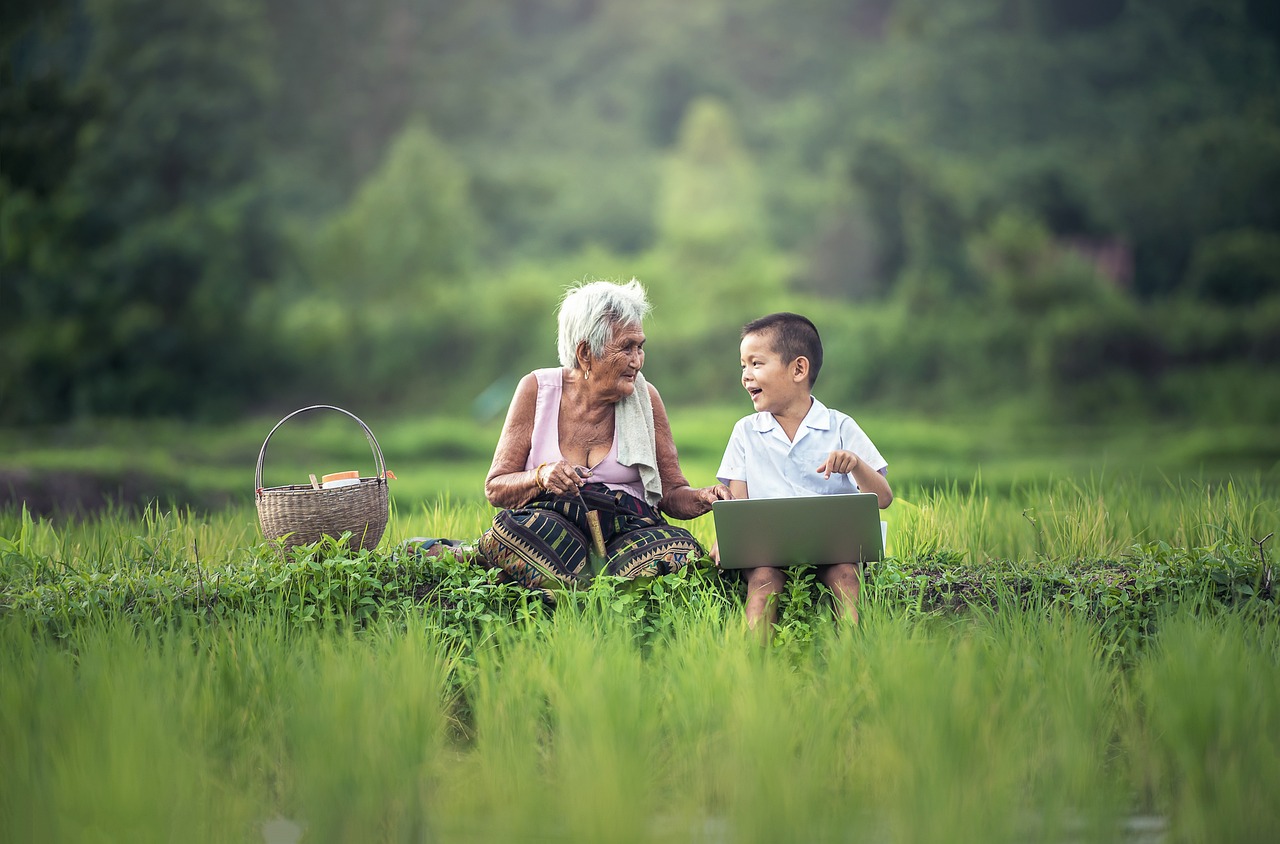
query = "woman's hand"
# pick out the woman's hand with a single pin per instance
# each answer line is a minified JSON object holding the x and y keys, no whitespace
{"x":691,"y":501}
{"x":708,"y":495}
{"x":561,"y":477}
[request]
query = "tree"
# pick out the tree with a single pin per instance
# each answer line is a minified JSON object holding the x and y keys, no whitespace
{"x":709,"y":207}
{"x":410,"y":224}
{"x":1152,"y":121}
{"x":162,"y":229}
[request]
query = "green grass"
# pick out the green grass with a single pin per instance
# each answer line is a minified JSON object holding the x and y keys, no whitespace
{"x":432,"y":456}
{"x":1007,"y":726}
{"x":1065,"y":521}
{"x":1085,"y":652}
{"x":1116,"y":550}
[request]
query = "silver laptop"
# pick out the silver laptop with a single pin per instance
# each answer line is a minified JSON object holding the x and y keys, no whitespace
{"x":809,"y":530}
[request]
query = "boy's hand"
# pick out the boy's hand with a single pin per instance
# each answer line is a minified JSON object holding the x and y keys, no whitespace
{"x":840,"y":462}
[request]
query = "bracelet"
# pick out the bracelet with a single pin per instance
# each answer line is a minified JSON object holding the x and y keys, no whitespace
{"x":537,"y":477}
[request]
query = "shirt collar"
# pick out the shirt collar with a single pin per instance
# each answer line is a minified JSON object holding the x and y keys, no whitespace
{"x":817,"y":418}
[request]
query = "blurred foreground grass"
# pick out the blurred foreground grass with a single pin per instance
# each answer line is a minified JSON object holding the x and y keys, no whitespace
{"x":994,"y":727}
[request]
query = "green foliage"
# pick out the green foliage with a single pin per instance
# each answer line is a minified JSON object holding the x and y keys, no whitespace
{"x":730,"y":154}
{"x":1113,"y":553}
{"x":39,"y":121}
{"x":1126,"y":597}
{"x":710,"y":207}
{"x":1030,"y":725}
{"x":1000,"y":96}
{"x":1028,"y":271}
{"x":1107,"y":360}
{"x":1236,"y":267}
{"x":1184,"y":747}
{"x":1068,"y":657}
{"x":151,"y":581}
{"x":919,"y":221}
{"x":144,"y":256}
{"x":1081,"y":347}
{"x":409,"y":228}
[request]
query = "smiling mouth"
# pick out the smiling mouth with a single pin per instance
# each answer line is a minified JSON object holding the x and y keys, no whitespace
{"x":754,"y":391}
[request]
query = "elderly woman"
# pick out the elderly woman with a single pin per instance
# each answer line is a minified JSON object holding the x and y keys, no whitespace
{"x":590,"y":440}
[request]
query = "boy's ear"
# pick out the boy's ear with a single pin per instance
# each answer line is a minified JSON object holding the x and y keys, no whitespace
{"x":800,"y":369}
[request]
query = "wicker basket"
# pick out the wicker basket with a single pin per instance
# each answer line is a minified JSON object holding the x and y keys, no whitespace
{"x":300,"y":514}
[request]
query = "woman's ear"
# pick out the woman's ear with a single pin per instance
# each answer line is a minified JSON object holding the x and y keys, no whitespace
{"x":583,"y":353}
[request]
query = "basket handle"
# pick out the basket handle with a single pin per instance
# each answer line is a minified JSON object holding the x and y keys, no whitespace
{"x":377,"y":451}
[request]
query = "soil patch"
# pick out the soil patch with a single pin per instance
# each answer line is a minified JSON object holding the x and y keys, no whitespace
{"x":64,"y":492}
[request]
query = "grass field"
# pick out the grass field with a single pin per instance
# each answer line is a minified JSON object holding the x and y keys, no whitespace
{"x":1008,"y":726}
{"x":1076,"y":638}
{"x":447,"y":456}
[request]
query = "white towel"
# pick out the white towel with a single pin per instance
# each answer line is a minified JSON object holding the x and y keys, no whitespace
{"x":633,"y":424}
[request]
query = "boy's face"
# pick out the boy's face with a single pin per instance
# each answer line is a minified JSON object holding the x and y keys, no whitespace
{"x":772,"y":383}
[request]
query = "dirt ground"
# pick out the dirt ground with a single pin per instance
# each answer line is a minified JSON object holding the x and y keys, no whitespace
{"x":48,"y":493}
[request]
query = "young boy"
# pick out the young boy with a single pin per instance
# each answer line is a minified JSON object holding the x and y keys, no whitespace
{"x":794,"y":445}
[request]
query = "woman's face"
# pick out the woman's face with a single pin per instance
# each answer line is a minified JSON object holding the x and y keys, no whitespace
{"x":615,"y":371}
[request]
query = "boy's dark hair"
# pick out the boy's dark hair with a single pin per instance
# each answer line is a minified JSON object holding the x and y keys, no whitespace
{"x":793,"y":336}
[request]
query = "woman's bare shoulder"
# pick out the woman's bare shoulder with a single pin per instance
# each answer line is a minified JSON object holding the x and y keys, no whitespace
{"x":523,"y":401}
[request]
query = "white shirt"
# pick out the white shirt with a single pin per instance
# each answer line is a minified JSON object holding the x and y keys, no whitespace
{"x":776,"y":467}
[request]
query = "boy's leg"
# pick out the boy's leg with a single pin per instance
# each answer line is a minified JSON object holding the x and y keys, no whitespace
{"x":843,"y":581}
{"x":763,"y":586}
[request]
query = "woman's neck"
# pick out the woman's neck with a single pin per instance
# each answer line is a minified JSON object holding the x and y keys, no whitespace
{"x":588,"y":402}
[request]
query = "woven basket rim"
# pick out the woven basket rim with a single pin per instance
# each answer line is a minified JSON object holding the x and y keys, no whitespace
{"x":381,"y":477}
{"x":364,"y":482}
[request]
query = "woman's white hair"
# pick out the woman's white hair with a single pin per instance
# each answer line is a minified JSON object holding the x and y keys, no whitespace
{"x":590,"y":311}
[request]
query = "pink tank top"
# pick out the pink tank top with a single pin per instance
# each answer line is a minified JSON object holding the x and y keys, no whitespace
{"x":545,"y":445}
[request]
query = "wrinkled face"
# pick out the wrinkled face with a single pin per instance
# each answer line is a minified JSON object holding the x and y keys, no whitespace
{"x":768,"y":379}
{"x":622,"y":360}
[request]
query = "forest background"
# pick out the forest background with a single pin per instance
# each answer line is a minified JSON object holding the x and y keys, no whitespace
{"x":1070,"y":208}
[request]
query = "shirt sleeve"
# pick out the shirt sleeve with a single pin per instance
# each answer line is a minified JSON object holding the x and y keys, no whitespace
{"x":733,"y":467}
{"x":853,"y":438}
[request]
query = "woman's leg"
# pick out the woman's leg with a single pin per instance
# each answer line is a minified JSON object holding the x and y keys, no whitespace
{"x":763,"y":586}
{"x":843,"y":581}
{"x":651,"y":551}
{"x":537,"y":548}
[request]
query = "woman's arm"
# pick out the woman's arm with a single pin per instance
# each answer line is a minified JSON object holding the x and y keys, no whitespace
{"x":508,"y":483}
{"x":679,"y":500}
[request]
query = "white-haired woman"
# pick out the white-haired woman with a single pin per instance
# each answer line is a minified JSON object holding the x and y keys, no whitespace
{"x":591,"y":436}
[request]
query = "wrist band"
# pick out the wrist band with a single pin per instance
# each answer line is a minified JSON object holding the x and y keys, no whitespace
{"x":537,"y":477}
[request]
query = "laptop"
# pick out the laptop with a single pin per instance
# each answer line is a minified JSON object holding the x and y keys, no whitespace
{"x":808,"y":530}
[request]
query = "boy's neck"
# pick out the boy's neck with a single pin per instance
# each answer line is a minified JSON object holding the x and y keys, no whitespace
{"x":790,"y":416}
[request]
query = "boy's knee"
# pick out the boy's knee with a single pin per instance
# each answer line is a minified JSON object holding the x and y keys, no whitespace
{"x":842,"y":574}
{"x":765,"y":578}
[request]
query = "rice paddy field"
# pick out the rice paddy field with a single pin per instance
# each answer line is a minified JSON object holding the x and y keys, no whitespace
{"x":1059,"y":648}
